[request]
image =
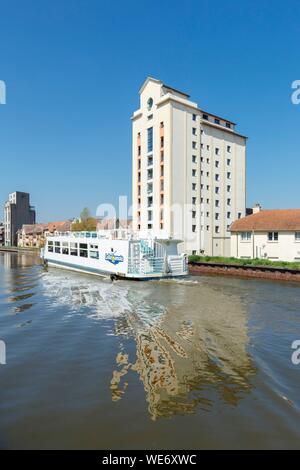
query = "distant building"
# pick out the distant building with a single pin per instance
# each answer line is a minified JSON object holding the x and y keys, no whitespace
{"x":33,"y":235}
{"x":267,"y":234}
{"x":17,"y":211}
{"x":1,"y":234}
{"x":111,"y":224}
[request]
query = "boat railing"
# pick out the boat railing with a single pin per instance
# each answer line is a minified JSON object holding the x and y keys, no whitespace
{"x":114,"y":234}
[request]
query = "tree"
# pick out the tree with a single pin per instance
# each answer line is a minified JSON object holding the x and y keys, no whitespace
{"x":85,"y":214}
{"x":87,"y":222}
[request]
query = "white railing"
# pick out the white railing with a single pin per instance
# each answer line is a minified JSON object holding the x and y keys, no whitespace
{"x":115,"y":234}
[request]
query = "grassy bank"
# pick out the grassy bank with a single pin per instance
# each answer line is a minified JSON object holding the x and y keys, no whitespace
{"x":244,"y":262}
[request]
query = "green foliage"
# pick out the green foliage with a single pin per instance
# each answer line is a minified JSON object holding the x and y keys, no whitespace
{"x":85,"y":214}
{"x":244,"y":262}
{"x":87,"y":225}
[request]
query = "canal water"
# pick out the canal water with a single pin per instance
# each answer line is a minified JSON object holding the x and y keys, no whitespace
{"x":203,"y":362}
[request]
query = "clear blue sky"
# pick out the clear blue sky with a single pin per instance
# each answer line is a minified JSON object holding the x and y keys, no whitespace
{"x":73,"y":70}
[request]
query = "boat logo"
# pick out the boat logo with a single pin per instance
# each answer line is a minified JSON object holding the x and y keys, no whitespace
{"x":113,"y":258}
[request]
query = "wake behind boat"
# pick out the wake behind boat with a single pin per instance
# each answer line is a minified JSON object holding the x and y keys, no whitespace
{"x":116,"y":253}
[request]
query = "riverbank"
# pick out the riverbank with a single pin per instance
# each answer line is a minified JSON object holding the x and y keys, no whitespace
{"x":244,"y":271}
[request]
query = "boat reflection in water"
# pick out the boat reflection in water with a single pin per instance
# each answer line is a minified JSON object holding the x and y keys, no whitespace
{"x":190,"y":338}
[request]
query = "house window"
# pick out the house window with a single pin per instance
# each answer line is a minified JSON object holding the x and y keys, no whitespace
{"x":217,"y":216}
{"x":193,"y":200}
{"x":217,"y":151}
{"x":297,"y":236}
{"x":205,"y":116}
{"x":193,"y":214}
{"x":193,"y":228}
{"x":50,"y":247}
{"x":239,"y":215}
{"x":194,"y":159}
{"x":194,"y":186}
{"x":194,"y":145}
{"x":150,"y":139}
{"x":217,"y":189}
{"x":273,"y":236}
{"x":228,"y":202}
{"x":217,"y":121}
{"x":194,"y":117}
{"x":193,"y":172}
{"x":217,"y":229}
{"x":217,"y":177}
{"x":245,"y":236}
{"x":162,"y":141}
{"x":217,"y":164}
{"x":150,"y":160}
{"x":194,"y":130}
{"x":228,"y":161}
{"x":228,"y":125}
{"x":228,"y":148}
{"x":228,"y":175}
{"x":162,"y":125}
{"x":57,"y":247}
{"x":228,"y":215}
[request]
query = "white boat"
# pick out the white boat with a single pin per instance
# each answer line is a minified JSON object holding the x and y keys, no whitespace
{"x":116,"y":253}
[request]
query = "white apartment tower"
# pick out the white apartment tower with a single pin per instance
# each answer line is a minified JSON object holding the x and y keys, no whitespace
{"x":189,"y":173}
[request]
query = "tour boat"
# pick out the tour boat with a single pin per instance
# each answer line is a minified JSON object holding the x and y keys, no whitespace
{"x":116,"y":253}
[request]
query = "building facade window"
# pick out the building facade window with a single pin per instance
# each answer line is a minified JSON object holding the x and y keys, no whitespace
{"x":273,"y":236}
{"x":246,"y":236}
{"x":297,"y":236}
{"x":150,"y":139}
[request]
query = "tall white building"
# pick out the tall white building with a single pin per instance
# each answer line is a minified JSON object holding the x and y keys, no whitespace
{"x":188,"y":170}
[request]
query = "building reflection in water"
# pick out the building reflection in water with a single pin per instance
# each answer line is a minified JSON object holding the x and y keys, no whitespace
{"x":20,"y":276}
{"x":197,"y":347}
{"x":190,"y":337}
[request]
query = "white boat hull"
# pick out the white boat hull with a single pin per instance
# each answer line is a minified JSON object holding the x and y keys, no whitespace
{"x":104,"y":255}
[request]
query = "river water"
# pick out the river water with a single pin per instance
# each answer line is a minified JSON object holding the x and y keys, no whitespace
{"x":203,"y":362}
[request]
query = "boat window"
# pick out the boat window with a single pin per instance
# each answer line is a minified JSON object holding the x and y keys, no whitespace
{"x":57,"y":247}
{"x":83,"y":250}
{"x":94,"y":254}
{"x":65,"y":248}
{"x":74,"y":249}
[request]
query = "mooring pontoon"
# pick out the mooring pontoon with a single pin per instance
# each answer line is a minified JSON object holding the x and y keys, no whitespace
{"x":116,"y":253}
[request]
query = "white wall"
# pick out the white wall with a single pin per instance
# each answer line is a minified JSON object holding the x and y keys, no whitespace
{"x":286,"y":249}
